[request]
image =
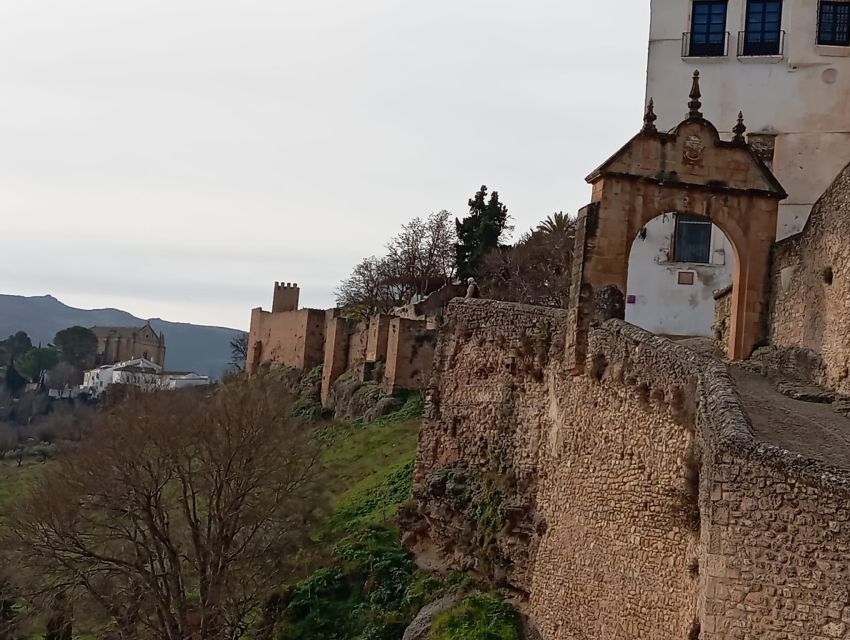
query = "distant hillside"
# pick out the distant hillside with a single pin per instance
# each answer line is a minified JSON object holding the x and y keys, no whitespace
{"x":189,"y":347}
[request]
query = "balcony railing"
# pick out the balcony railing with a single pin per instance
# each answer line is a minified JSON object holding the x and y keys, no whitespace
{"x":758,"y":43}
{"x":705,"y":45}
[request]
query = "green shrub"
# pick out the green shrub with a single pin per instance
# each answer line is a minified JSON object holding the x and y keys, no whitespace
{"x":478,"y":617}
{"x":307,"y":408}
{"x":372,"y":592}
{"x":375,"y":505}
{"x":314,"y":375}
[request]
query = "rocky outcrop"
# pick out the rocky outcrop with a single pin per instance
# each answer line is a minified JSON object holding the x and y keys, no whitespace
{"x":350,"y":399}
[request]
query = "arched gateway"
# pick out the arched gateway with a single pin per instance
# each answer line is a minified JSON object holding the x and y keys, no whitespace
{"x":689,"y":170}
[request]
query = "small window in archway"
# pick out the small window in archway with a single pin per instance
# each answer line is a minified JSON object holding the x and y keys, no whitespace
{"x":692,"y":242}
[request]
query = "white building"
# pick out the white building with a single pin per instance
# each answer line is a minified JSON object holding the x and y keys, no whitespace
{"x":676,"y":264}
{"x":141,"y":373}
{"x":786,"y":65}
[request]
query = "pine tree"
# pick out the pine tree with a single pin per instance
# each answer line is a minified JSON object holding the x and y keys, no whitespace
{"x":479,"y":232}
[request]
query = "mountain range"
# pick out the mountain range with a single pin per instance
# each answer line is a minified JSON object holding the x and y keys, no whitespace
{"x":189,"y":347}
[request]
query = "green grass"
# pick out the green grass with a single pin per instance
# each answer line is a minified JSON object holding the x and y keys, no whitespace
{"x":368,"y":468}
{"x":370,"y":587}
{"x":16,"y":483}
{"x":478,"y":617}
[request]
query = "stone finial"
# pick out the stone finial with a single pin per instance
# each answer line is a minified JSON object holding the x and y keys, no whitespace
{"x":695,"y":105}
{"x":649,"y":118}
{"x":739,"y":129}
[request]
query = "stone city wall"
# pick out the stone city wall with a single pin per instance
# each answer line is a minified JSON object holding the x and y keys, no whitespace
{"x":811,"y":285}
{"x":630,"y":501}
{"x":290,"y":339}
{"x":409,"y":355}
{"x":486,"y":418}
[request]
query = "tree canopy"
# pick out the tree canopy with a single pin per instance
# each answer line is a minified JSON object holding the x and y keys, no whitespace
{"x":177,"y":516}
{"x":537,"y":269}
{"x":36,"y":360}
{"x":15,"y":382}
{"x":14,"y":347}
{"x":480,"y":232}
{"x":78,"y":346}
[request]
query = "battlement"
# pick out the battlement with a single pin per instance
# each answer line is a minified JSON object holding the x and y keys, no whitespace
{"x":285,"y":298}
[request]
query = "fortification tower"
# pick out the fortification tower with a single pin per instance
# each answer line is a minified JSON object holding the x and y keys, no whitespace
{"x":285,"y":297}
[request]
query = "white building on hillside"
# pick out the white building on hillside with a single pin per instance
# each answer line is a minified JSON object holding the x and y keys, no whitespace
{"x":141,"y":373}
{"x":786,"y":65}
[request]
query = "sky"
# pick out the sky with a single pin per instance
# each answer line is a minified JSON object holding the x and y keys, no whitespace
{"x":174,"y":158}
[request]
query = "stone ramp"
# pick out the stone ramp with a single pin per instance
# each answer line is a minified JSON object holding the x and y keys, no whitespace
{"x":802,"y":419}
{"x":812,"y":429}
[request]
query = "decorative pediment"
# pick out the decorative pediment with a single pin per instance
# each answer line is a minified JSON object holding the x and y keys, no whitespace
{"x":691,"y":155}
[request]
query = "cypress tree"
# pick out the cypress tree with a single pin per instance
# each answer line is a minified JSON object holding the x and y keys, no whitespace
{"x":479,"y":232}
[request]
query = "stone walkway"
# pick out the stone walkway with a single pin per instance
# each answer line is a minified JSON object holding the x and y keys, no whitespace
{"x":812,"y":429}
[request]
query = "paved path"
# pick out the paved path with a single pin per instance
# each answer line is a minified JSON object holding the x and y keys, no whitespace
{"x":811,"y":429}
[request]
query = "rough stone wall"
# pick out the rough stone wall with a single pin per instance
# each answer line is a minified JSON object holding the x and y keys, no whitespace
{"x":811,"y":285}
{"x":358,"y":339}
{"x":619,"y":494}
{"x":486,"y":417}
{"x":722,"y":317}
{"x":336,"y":352}
{"x":775,"y":546}
{"x":627,"y":502}
{"x":410,"y":354}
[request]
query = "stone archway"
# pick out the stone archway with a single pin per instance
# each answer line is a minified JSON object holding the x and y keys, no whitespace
{"x":690,"y":169}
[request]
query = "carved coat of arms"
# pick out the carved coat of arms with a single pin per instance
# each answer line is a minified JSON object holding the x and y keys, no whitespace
{"x":693,"y":150}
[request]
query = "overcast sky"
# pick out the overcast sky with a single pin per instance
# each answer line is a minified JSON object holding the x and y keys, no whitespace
{"x":174,"y":158}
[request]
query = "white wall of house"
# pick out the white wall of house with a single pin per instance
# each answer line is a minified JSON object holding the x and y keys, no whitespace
{"x":800,"y":95}
{"x":141,"y":373}
{"x":655,"y":299}
{"x":186,"y":381}
{"x":95,"y":381}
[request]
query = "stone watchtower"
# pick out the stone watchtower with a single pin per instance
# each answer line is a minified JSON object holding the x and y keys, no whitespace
{"x":285,"y":297}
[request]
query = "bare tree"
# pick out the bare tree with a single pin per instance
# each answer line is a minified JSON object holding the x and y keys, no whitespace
{"x":419,"y":260}
{"x":239,"y":351}
{"x":177,"y":515}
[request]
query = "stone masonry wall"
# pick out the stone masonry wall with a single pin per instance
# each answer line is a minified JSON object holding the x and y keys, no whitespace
{"x":291,"y":339}
{"x":627,"y":502}
{"x":410,"y":354}
{"x":486,"y":419}
{"x":811,"y":285}
{"x":618,"y":492}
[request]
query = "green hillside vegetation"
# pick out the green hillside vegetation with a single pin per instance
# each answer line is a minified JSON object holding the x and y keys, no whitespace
{"x":357,"y":582}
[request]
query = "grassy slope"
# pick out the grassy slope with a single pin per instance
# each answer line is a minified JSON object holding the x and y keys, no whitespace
{"x":16,"y":482}
{"x":368,"y":587}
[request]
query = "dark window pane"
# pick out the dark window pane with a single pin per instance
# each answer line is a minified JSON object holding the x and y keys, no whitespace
{"x":708,"y":28}
{"x":763,"y":24}
{"x":834,"y":23}
{"x":693,"y":239}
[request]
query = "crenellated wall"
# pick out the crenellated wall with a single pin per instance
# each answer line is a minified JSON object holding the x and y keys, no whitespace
{"x":630,"y":501}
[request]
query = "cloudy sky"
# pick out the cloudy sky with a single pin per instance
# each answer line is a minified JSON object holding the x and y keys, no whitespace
{"x":175,"y":157}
